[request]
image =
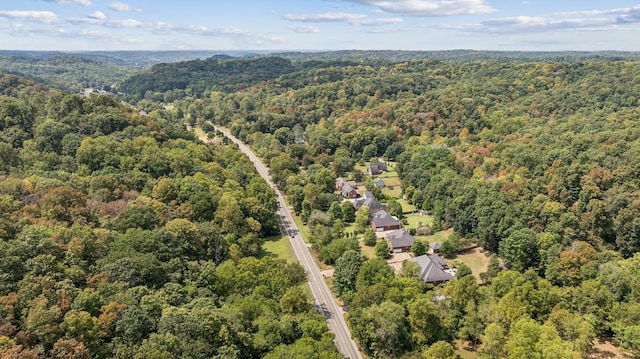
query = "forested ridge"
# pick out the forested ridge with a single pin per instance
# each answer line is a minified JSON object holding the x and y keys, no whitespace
{"x":535,"y":161}
{"x":120,"y":232}
{"x":65,"y":71}
{"x":122,"y":236}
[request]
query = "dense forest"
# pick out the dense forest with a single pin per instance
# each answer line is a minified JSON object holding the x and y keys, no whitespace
{"x":65,"y":71}
{"x":535,"y":161}
{"x":122,"y":236}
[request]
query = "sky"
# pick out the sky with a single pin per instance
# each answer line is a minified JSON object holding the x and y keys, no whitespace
{"x":312,"y":25}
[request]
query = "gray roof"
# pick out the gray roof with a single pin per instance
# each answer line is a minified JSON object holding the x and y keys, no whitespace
{"x":434,"y":245}
{"x":377,"y":167}
{"x":399,"y":238}
{"x":383,"y":219}
{"x":370,"y":201}
{"x":346,"y":188}
{"x":432,"y":268}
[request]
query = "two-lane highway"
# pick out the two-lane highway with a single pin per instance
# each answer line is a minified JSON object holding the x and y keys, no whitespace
{"x":321,"y":293}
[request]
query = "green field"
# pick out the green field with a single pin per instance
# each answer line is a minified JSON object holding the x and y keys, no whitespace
{"x":278,"y":247}
{"x":415,"y":220}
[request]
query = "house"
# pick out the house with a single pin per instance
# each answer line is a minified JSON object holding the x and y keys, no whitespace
{"x":376,"y":168}
{"x":399,"y":241}
{"x":383,"y":221}
{"x":433,"y":269}
{"x":349,"y":191}
{"x":378,"y":183}
{"x":341,"y":182}
{"x":369,"y":200}
{"x":434,"y":247}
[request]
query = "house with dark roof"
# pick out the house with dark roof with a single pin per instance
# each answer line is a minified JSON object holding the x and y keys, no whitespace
{"x":370,"y":201}
{"x":349,"y":191}
{"x":383,"y":221}
{"x":399,"y":240}
{"x":341,"y":182}
{"x":376,"y":168}
{"x":433,"y":269}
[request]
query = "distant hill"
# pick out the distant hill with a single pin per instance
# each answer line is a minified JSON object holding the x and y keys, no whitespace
{"x":64,"y":71}
{"x":460,"y":55}
{"x":215,"y":73}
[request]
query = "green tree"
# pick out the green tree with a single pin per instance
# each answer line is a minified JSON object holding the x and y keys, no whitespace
{"x":440,"y":350}
{"x":463,"y":270}
{"x":395,"y":208}
{"x":382,"y":249}
{"x":335,"y":211}
{"x":520,"y":250}
{"x":493,"y":341}
{"x":348,"y":212}
{"x":424,"y":321}
{"x":362,"y":218}
{"x":382,"y":329}
{"x":369,"y":237}
{"x":372,"y":272}
{"x":346,"y":273}
{"x":419,"y":248}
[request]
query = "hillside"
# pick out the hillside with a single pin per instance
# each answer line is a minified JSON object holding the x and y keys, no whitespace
{"x":534,"y":161}
{"x":216,"y":73}
{"x":122,"y":235}
{"x":64,"y":71}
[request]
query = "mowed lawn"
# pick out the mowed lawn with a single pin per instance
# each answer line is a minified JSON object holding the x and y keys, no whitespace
{"x":278,"y":247}
{"x":475,"y":258}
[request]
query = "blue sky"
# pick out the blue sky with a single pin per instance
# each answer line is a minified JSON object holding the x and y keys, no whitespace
{"x":84,"y":25}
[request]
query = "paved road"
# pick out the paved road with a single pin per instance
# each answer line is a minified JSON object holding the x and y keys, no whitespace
{"x":323,"y":298}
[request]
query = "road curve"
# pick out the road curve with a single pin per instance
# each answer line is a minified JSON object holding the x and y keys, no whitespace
{"x":323,"y":299}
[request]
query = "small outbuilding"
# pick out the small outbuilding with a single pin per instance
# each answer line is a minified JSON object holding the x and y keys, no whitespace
{"x":434,"y":247}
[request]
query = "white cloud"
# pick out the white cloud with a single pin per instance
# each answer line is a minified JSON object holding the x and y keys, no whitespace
{"x":45,"y":17}
{"x":86,"y":3}
{"x":121,"y":7}
{"x":304,"y":29}
{"x":98,"y":15}
{"x":430,"y":7}
{"x":573,"y":20}
{"x":353,"y":19}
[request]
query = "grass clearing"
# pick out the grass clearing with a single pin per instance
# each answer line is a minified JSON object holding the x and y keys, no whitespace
{"x":415,"y":220}
{"x":367,"y":252}
{"x":278,"y":247}
{"x":436,"y":237}
{"x":407,"y":207}
{"x":475,"y":258}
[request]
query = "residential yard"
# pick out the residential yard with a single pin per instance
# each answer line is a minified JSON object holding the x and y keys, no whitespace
{"x":366,"y":251}
{"x":278,"y":247}
{"x":475,"y":258}
{"x":436,"y":237}
{"x":415,"y":220}
{"x":406,"y":207}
